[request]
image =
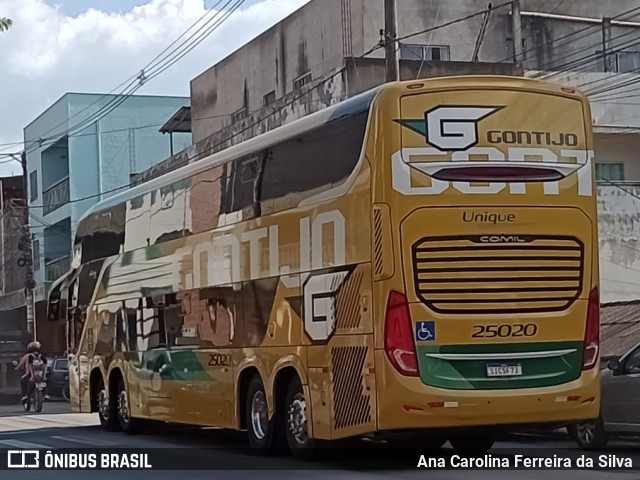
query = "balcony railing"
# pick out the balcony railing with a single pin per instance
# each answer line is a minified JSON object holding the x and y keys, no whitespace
{"x":56,"y":196}
{"x":57,"y":268}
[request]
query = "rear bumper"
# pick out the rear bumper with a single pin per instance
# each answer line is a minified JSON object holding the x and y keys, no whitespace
{"x":406,"y":403}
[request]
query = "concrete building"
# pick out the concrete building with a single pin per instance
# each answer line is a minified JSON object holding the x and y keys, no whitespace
{"x":326,"y":51}
{"x":83,"y":148}
{"x":13,"y":325}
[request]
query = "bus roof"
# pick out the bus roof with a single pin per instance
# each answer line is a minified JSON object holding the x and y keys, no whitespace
{"x":352,"y":106}
{"x":357,"y":104}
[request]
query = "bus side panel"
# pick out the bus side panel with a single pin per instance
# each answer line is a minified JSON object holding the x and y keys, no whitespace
{"x":341,"y":373}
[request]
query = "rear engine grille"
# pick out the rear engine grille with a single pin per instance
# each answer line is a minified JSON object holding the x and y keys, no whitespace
{"x":483,"y":274}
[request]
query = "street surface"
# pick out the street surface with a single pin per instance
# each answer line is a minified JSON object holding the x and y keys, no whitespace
{"x":57,"y":428}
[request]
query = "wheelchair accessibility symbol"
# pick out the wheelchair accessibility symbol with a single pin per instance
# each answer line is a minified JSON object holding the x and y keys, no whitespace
{"x":425,"y":331}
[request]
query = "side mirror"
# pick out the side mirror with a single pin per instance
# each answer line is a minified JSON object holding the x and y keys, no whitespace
{"x":614,"y":365}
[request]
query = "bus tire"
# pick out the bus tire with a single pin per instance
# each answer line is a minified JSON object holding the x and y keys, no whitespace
{"x":302,"y":447}
{"x":128,"y":424}
{"x":107,"y":410}
{"x":261,"y":430}
{"x":471,"y":444}
{"x":589,"y":435}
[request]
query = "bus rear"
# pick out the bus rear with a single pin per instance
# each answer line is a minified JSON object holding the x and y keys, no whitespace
{"x":484,"y":254}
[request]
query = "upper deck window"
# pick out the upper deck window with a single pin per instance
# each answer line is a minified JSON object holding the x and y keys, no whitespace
{"x":311,"y":163}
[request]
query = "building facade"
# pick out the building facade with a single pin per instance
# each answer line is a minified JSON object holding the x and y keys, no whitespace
{"x":82,"y":149}
{"x":13,"y":325}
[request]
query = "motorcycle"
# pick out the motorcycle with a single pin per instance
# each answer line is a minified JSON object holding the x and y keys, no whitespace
{"x":37,"y":385}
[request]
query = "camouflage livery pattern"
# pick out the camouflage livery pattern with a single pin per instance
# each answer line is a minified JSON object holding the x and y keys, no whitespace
{"x":277,"y":256}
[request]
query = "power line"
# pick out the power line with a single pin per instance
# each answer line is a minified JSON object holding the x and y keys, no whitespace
{"x":142,"y":78}
{"x":453,"y":22}
{"x":121,"y":130}
{"x":329,"y":78}
{"x":615,"y":84}
{"x":582,"y":61}
{"x":130,"y":82}
{"x":562,"y":38}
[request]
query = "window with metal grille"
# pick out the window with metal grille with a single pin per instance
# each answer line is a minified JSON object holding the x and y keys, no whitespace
{"x":425,"y":52}
{"x":269,"y":98}
{"x":33,"y":185}
{"x":35,"y":247}
{"x":628,"y":62}
{"x":239,"y":115}
{"x":619,"y":62}
{"x":612,"y":171}
{"x":302,"y":80}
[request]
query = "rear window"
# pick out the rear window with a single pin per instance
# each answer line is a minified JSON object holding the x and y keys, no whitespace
{"x":62,"y":365}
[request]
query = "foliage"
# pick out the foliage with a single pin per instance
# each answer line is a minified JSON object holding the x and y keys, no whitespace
{"x":5,"y":24}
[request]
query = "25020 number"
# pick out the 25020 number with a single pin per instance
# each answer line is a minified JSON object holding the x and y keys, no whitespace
{"x":505,"y":330}
{"x":219,"y":360}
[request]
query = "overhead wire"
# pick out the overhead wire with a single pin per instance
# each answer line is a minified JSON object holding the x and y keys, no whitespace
{"x":137,"y":81}
{"x":296,"y":98}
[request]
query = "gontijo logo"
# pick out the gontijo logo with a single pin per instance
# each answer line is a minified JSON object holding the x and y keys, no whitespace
{"x":452,"y":133}
{"x":451,"y":128}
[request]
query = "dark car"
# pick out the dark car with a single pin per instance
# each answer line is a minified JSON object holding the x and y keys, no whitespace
{"x":58,"y":378}
{"x":620,"y":386}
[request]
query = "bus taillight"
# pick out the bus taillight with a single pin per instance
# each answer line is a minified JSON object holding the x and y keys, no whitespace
{"x":398,"y":335}
{"x":592,"y":331}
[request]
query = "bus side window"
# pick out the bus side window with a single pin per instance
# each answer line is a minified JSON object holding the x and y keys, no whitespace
{"x":205,"y":201}
{"x":137,"y":222}
{"x":312,"y":163}
{"x":168,"y":209}
{"x":131,"y":309}
{"x":174,"y":323}
{"x":240,"y":189}
{"x":219,"y":322}
{"x":151,"y":333}
{"x":101,"y":235}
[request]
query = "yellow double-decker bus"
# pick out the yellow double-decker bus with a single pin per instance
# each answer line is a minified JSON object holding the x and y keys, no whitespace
{"x":421,"y":257}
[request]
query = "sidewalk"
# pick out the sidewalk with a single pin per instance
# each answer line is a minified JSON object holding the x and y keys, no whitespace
{"x":50,"y":407}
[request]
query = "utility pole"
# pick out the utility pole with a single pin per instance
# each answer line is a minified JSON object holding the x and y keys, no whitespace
{"x":391,"y":40}
{"x":29,"y":282}
{"x":516,"y":19}
{"x":606,"y":44}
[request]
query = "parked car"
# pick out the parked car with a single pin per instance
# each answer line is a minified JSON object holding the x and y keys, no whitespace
{"x":620,"y":406}
{"x":58,"y":378}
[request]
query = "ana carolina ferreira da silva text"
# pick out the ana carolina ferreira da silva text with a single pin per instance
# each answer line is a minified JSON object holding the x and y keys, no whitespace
{"x":523,"y":461}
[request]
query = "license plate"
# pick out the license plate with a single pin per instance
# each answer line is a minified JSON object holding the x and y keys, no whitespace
{"x":41,"y":385}
{"x":504,"y":370}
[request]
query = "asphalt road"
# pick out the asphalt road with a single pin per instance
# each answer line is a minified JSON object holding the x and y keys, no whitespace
{"x":227,"y":453}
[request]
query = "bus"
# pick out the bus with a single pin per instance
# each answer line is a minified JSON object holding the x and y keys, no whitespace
{"x":419,"y":259}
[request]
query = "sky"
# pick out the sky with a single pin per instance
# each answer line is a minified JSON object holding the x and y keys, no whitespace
{"x":59,"y":46}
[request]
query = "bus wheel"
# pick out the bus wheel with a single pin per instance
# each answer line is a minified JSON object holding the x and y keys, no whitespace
{"x":296,"y":419}
{"x":107,"y":411}
{"x":260,"y":429}
{"x":127,"y":424}
{"x":472,"y":444}
{"x":590,"y":435}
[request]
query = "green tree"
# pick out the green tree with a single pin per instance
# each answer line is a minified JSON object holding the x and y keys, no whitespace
{"x":5,"y":24}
